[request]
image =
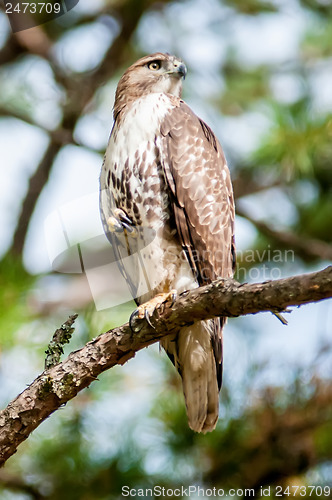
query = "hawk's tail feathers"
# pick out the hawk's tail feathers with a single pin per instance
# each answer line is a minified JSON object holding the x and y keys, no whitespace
{"x":194,"y":358}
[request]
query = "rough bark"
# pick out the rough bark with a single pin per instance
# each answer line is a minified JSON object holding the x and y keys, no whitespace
{"x":57,"y":385}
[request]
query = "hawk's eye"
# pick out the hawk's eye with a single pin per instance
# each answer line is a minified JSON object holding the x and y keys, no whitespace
{"x":154,"y":65}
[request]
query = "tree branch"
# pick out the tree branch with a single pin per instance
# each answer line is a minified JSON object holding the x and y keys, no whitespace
{"x":244,"y":185}
{"x":36,"y":184}
{"x":225,"y":297}
{"x":28,"y":41}
{"x":306,"y":248}
{"x":18,"y":484}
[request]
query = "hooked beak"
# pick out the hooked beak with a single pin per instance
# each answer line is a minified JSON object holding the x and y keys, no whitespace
{"x":180,"y":69}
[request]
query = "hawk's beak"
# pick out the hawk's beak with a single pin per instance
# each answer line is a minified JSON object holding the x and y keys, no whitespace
{"x":180,"y":68}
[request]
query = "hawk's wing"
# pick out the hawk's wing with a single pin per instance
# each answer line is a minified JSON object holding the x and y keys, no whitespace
{"x":202,"y":198}
{"x":202,"y":194}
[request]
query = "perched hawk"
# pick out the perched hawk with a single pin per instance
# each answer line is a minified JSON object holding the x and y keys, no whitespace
{"x":167,"y":206}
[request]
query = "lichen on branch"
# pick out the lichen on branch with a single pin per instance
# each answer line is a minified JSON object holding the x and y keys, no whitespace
{"x":61,"y":337}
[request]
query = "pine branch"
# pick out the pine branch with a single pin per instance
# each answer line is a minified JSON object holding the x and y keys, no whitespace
{"x":225,"y":297}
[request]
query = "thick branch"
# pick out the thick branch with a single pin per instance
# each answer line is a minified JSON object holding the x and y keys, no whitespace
{"x":56,"y":386}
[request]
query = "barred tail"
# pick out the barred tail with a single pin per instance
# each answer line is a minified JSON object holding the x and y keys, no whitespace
{"x":193,"y":353}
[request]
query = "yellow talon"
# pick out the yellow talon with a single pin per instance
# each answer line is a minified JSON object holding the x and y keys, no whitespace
{"x":147,"y":310}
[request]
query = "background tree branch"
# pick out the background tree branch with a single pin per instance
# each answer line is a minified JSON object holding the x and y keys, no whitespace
{"x":40,"y":44}
{"x":307,"y":248}
{"x":56,"y":386}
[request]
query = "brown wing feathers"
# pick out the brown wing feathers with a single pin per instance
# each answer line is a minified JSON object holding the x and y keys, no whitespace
{"x":197,"y":175}
{"x":201,"y":192}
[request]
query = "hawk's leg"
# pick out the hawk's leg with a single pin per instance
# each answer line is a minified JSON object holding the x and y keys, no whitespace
{"x":120,"y":221}
{"x":147,"y":310}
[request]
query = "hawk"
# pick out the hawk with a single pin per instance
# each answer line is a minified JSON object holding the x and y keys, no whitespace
{"x":166,"y":203}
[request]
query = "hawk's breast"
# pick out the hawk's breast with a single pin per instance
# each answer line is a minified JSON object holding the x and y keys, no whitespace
{"x":133,"y":180}
{"x":132,"y":169}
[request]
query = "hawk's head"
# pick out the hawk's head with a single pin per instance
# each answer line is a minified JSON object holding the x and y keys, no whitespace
{"x":154,"y":73}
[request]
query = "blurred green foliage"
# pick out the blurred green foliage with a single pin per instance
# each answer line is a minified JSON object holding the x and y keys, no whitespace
{"x":251,"y":7}
{"x":244,"y":87}
{"x":14,"y":282}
